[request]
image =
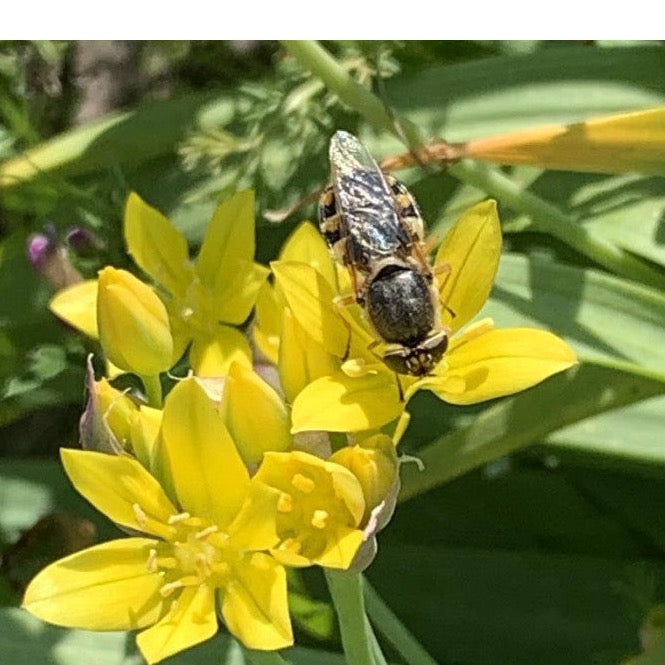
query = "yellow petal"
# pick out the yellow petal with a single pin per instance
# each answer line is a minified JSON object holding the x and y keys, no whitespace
{"x":254,"y":604}
{"x":339,"y":403}
{"x":499,"y":362}
{"x":257,"y":418}
{"x":235,"y":291}
{"x":346,"y":543}
{"x":198,"y":455}
{"x":211,"y":356}
{"x":144,"y":433}
{"x":310,"y":298}
{"x":301,"y":359}
{"x":612,"y":144}
{"x":254,"y":528}
{"x":267,"y":322}
{"x":306,"y":245}
{"x":106,"y":587}
{"x":156,"y":245}
{"x":190,"y":621}
{"x":229,"y":238}
{"x":77,"y":305}
{"x":471,"y":249}
{"x":133,"y":324}
{"x":120,"y":488}
{"x":374,"y":463}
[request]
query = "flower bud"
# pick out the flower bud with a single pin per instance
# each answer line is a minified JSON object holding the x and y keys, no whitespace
{"x":133,"y":324}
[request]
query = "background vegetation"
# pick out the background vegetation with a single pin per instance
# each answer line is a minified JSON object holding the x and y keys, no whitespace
{"x":536,"y":533}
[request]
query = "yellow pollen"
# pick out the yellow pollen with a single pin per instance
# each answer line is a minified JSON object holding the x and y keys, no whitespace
{"x":303,"y":483}
{"x":319,"y":519}
{"x":168,"y":588}
{"x":180,"y":517}
{"x":290,"y":545}
{"x":285,"y":503}
{"x":199,"y":535}
{"x":141,"y":517}
{"x":152,"y":561}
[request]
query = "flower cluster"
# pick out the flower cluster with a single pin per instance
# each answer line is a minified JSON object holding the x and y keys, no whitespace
{"x":231,"y":478}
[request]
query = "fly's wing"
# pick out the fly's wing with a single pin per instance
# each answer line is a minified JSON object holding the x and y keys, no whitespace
{"x":368,"y":215}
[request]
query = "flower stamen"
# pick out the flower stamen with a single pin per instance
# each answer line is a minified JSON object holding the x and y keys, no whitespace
{"x":319,"y":519}
{"x":200,"y":535}
{"x":285,"y":503}
{"x":179,"y":517}
{"x":303,"y":483}
{"x":141,"y":517}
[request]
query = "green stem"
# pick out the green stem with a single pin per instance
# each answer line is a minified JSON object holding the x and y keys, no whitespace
{"x":346,"y":589}
{"x":545,"y":216}
{"x":394,"y":630}
{"x":153,"y":390}
{"x":379,"y":658}
{"x":264,"y":657}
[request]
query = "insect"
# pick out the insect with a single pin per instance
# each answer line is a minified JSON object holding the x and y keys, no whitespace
{"x":372,"y":225}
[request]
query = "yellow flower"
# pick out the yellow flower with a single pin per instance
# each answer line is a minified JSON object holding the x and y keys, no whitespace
{"x":133,"y":324}
{"x":205,"y":298}
{"x":320,"y":509}
{"x":325,"y":507}
{"x":481,"y":362}
{"x":206,"y":530}
{"x":280,"y":335}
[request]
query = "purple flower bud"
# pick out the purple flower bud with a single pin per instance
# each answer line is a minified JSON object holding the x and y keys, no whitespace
{"x":83,"y":241}
{"x":50,"y":259}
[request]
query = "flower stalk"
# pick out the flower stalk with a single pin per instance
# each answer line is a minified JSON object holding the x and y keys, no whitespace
{"x":346,"y":589}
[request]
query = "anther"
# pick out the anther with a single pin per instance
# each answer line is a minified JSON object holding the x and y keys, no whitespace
{"x":168,"y":588}
{"x":141,"y":517}
{"x":199,"y":535}
{"x":285,"y":503}
{"x":319,"y":519}
{"x":303,"y":483}
{"x":180,"y":517}
{"x":152,"y":561}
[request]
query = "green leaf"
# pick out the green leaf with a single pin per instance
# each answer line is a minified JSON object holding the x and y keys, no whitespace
{"x":556,"y":85}
{"x":628,"y":435}
{"x":470,"y":605}
{"x":523,"y":419}
{"x":24,"y":639}
{"x":127,"y":138}
{"x":603,"y":317}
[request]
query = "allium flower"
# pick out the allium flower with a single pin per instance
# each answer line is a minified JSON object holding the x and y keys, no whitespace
{"x":204,"y":298}
{"x":206,"y":528}
{"x":481,"y":362}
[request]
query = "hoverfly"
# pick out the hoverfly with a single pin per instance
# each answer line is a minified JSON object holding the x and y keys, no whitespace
{"x":372,"y":225}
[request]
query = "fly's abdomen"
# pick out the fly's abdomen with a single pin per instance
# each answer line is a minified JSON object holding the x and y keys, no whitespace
{"x":399,"y":305}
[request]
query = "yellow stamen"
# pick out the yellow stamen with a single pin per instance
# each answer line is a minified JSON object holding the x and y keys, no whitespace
{"x":141,"y":517}
{"x":199,"y":535}
{"x":168,"y":588}
{"x":152,"y":561}
{"x":319,"y":519}
{"x":180,"y":517}
{"x":303,"y":483}
{"x":290,"y":545}
{"x":285,"y":503}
